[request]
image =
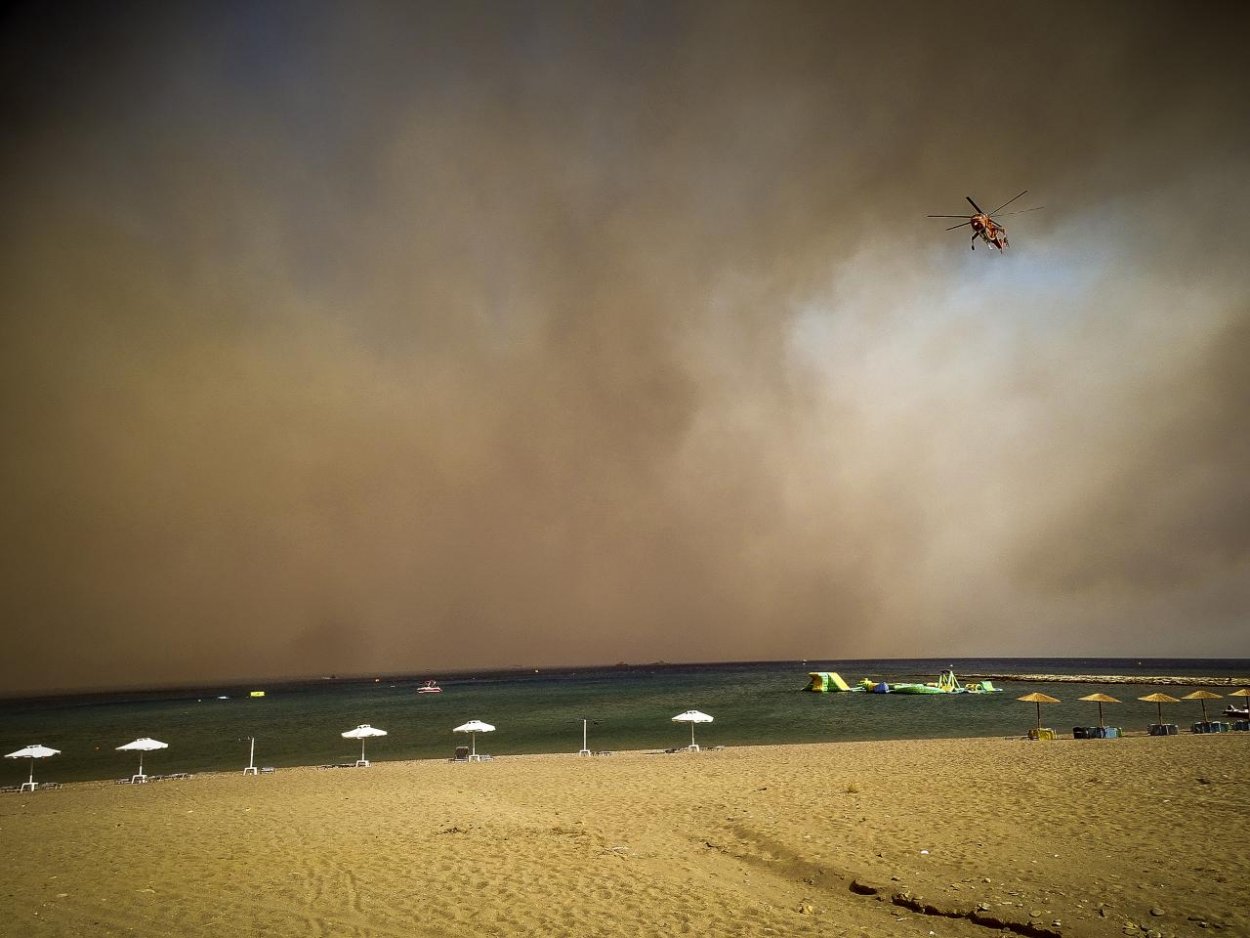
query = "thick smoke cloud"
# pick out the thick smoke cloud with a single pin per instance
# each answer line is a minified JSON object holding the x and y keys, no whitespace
{"x":382,"y":338}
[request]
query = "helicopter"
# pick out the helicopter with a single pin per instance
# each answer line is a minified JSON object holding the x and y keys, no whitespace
{"x":983,"y":224}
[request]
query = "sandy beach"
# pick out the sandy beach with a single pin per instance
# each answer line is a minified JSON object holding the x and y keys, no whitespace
{"x":940,"y":837}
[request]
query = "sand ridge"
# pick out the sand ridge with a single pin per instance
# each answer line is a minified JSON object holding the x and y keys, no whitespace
{"x":1103,"y":837}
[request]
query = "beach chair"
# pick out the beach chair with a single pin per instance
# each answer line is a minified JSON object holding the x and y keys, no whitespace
{"x":461,"y":755}
{"x":1043,"y":732}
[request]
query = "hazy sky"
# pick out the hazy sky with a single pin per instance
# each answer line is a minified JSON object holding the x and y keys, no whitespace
{"x":385,"y":338}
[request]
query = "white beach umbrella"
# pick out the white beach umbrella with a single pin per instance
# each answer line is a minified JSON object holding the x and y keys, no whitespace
{"x":692,"y":717}
{"x":32,"y":753}
{"x":473,"y":727}
{"x":363,"y":732}
{"x":142,"y":745}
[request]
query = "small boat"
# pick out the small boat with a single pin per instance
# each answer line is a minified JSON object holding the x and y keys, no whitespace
{"x":429,"y":687}
{"x":1238,"y":713}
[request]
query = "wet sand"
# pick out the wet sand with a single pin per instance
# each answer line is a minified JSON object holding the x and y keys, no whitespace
{"x":901,"y":838}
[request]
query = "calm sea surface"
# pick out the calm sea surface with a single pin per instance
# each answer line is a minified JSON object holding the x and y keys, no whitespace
{"x":629,"y":708}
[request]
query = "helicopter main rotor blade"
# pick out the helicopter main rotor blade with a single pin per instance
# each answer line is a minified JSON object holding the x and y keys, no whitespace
{"x":1025,"y":210}
{"x":946,"y":216}
{"x":1008,"y":202}
{"x":964,"y":225}
{"x":977,"y":207}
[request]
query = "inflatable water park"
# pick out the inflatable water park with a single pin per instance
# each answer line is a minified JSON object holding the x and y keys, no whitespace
{"x":830,"y":682}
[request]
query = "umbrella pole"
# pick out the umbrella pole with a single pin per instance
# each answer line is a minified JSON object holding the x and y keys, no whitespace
{"x":1039,"y":717}
{"x":1100,"y":714}
{"x":362,"y":749}
{"x":472,"y":745}
{"x":692,"y":734}
{"x":32,"y":773}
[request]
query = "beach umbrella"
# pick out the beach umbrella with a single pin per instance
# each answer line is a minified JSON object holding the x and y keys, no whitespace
{"x":473,"y":727}
{"x":32,"y":753}
{"x":1037,"y":697}
{"x":363,"y":732}
{"x":1101,"y":699}
{"x":141,"y":746}
{"x":585,"y":721}
{"x":1159,"y":698}
{"x":1203,"y":696}
{"x":692,"y":717}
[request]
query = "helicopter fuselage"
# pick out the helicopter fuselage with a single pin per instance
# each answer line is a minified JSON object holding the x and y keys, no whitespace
{"x":988,"y":230}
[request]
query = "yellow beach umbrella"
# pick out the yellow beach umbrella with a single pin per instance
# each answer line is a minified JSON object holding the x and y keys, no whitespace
{"x":1101,"y":699}
{"x":1038,"y":698}
{"x":1204,"y":696}
{"x":1160,"y":699}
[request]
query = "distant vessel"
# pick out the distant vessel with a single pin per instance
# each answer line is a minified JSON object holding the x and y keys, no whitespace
{"x":1238,"y":713}
{"x":429,"y":687}
{"x":256,"y":693}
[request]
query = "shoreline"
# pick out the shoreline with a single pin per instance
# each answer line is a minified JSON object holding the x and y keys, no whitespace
{"x":345,"y":768}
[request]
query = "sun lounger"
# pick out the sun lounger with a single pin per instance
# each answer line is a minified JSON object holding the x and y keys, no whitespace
{"x":1164,"y":729}
{"x":1044,"y":732}
{"x":461,"y":754}
{"x":1209,"y":726}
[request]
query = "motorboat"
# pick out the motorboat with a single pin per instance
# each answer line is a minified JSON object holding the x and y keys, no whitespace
{"x":429,"y":687}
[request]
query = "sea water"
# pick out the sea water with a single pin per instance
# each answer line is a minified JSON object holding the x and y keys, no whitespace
{"x":625,"y":707}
